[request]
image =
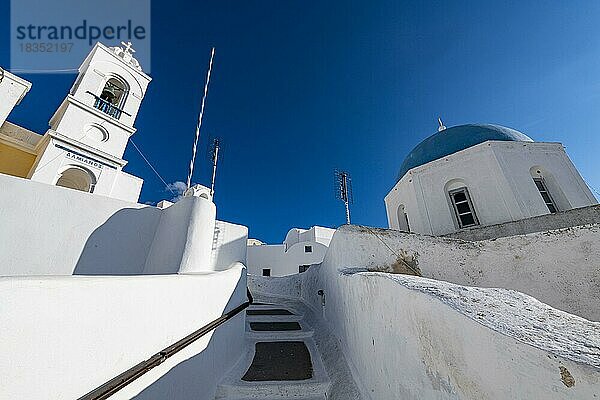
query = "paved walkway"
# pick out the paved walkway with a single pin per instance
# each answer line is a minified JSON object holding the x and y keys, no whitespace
{"x":289,"y":355}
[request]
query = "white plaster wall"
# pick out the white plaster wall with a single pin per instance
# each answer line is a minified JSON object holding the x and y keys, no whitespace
{"x":110,"y":182}
{"x":515,"y":160}
{"x":12,"y":90}
{"x":323,"y":235}
{"x":73,"y":122}
{"x":126,"y":187}
{"x":565,"y":219}
{"x":183,"y":238}
{"x":265,"y":256}
{"x":497,"y":175}
{"x":407,"y":344}
{"x":282,"y":262}
{"x":64,"y":336}
{"x":197,"y":252}
{"x":317,"y":234}
{"x":49,"y":230}
{"x":289,"y":286}
{"x":228,"y":245}
{"x":414,"y":338}
{"x":558,"y":267}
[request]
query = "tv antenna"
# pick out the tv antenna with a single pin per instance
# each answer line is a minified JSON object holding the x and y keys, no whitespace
{"x":343,"y":190}
{"x":215,"y":147}
{"x":199,"y":125}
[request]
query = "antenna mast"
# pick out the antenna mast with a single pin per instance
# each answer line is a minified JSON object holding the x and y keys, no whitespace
{"x":199,"y":125}
{"x":343,"y":190}
{"x":215,"y":156}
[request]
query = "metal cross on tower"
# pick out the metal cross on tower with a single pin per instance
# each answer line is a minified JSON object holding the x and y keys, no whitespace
{"x":128,"y":47}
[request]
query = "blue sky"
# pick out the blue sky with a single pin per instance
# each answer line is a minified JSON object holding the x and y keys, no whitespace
{"x":300,"y":88}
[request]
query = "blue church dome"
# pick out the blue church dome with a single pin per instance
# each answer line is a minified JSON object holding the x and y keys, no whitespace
{"x":455,"y":139}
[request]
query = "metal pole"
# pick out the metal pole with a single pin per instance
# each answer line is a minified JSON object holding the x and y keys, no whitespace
{"x":214,"y":174}
{"x":199,"y":125}
{"x":347,"y":213}
{"x":345,"y":196}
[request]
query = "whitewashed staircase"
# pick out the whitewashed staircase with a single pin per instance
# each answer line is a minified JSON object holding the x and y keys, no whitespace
{"x":330,"y":377}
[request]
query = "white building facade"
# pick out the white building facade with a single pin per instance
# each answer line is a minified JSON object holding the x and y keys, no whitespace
{"x":478,"y":175}
{"x":84,"y":147}
{"x":300,"y":249}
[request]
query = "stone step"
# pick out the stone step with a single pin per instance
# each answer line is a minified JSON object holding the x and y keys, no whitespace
{"x":268,"y":311}
{"x":276,"y":331}
{"x":299,"y":398}
{"x":274,"y":318}
{"x":278,"y":335}
{"x":275,"y":326}
{"x":273,"y":390}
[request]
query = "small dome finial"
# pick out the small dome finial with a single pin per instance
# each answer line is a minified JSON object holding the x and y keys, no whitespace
{"x":441,"y":126}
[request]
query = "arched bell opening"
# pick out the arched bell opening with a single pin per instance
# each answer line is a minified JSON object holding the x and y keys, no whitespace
{"x":115,"y":92}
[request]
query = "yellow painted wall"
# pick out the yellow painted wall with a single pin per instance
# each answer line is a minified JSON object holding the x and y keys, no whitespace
{"x":14,"y":161}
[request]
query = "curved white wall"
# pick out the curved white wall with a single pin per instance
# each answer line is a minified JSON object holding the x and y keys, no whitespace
{"x":228,"y":245}
{"x":64,"y":336}
{"x":409,"y":343}
{"x":58,"y":231}
{"x":557,"y":267}
{"x":415,"y":338}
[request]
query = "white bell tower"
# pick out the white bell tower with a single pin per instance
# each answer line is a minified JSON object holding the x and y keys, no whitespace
{"x":89,"y":131}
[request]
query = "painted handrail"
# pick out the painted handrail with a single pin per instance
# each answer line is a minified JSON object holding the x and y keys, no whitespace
{"x":117,"y":383}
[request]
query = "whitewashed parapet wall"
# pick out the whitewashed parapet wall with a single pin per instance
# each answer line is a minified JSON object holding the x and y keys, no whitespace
{"x":559,"y":267}
{"x":566,"y":219}
{"x":49,"y":230}
{"x":414,"y":338}
{"x":64,"y":336}
{"x":228,"y":245}
{"x":417,"y":338}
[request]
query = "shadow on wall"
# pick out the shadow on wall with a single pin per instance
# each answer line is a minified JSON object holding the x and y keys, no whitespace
{"x":229,"y":252}
{"x":198,"y":376}
{"x":121,"y":245}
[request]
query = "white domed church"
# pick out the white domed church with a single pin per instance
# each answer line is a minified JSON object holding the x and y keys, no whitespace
{"x":478,"y":175}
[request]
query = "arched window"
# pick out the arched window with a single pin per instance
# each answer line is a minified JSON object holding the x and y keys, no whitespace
{"x":461,"y":203}
{"x":77,"y":178}
{"x":115,"y":92}
{"x":549,"y":190}
{"x":403,"y":219}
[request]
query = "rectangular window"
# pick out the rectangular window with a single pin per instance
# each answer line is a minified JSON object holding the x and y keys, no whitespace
{"x":266,"y":272}
{"x":463,"y":208}
{"x":303,"y":268}
{"x":308,"y":249}
{"x":541,"y":187}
